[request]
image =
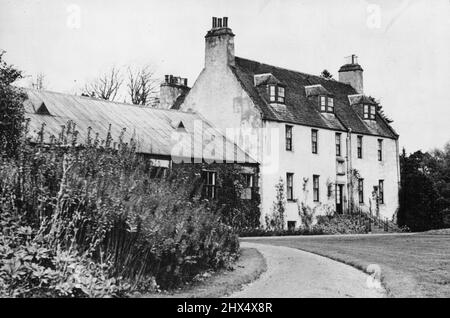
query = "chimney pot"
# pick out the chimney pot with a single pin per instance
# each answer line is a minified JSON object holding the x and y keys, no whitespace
{"x":352,"y":73}
{"x":167,"y":79}
{"x":214,"y":22}
{"x":219,"y":41}
{"x":169,"y":92}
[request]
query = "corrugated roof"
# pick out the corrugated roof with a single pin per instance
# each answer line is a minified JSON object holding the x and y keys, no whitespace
{"x":300,"y":109}
{"x":155,"y":130}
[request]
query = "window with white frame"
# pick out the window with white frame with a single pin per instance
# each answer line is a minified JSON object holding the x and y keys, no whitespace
{"x":288,"y":138}
{"x":316,"y":194}
{"x":340,"y":167}
{"x":280,"y":97}
{"x":338,"y":144}
{"x":277,"y":94}
{"x":273,"y":93}
{"x":361,"y":190}
{"x":330,"y":106}
{"x":373,"y":112}
{"x":290,"y":186}
{"x":370,"y":111}
{"x":323,"y":104}
{"x":209,"y":184}
{"x":326,"y":104}
{"x":381,"y":191}
{"x":380,"y":149}
{"x":315,"y":141}
{"x":359,"y":142}
{"x":248,"y":186}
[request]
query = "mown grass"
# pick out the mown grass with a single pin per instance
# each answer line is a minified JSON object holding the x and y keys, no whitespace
{"x":412,"y":265}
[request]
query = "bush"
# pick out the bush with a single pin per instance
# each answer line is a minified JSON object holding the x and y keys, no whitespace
{"x":11,"y":109}
{"x":339,"y":224}
{"x":102,"y":222}
{"x":29,"y":268}
{"x":299,"y":231}
{"x":326,"y":224}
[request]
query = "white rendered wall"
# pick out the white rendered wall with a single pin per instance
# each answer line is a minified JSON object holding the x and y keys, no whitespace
{"x":372,"y":170}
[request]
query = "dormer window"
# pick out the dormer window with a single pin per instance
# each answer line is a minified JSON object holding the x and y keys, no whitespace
{"x":330,"y":108}
{"x":277,"y":94}
{"x":281,"y":94}
{"x":326,"y":104}
{"x":323,"y":104}
{"x":370,"y":111}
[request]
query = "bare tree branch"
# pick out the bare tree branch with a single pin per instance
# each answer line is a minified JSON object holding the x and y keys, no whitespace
{"x":106,"y":86}
{"x":38,"y":81}
{"x":142,"y":86}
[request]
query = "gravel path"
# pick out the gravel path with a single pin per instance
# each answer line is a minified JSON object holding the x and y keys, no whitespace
{"x":294,"y":273}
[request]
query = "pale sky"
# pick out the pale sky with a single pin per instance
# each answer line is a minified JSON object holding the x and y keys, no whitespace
{"x":403,"y":45}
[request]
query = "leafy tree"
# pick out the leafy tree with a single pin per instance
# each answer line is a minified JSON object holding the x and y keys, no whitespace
{"x":420,"y":199}
{"x":325,"y":74}
{"x":11,"y":109}
{"x":439,"y":167}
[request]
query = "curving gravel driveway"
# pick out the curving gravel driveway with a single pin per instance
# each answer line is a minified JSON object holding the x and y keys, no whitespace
{"x":294,"y":273}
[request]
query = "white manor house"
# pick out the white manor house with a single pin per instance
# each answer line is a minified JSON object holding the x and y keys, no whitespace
{"x":334,"y":149}
{"x":329,"y":144}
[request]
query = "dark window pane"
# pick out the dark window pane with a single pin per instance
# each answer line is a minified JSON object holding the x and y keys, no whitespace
{"x":380,"y":149}
{"x":338,"y":144}
{"x":316,"y":188}
{"x":290,"y":186}
{"x":314,"y":140}
{"x":361,"y":190}
{"x":381,"y":191}
{"x":209,"y":188}
{"x":359,"y":146}
{"x":288,"y":138}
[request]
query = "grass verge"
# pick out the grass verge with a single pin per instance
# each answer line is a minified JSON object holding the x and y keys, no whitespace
{"x":412,"y":265}
{"x":250,"y":265}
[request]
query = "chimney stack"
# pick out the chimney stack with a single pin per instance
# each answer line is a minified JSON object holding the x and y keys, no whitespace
{"x":219,"y":44}
{"x":352,"y":73}
{"x":171,"y":89}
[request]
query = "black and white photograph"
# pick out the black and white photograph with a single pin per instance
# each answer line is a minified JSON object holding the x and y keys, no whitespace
{"x":218,"y":155}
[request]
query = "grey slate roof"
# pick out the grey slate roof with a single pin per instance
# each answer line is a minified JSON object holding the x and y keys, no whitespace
{"x":152,"y":128}
{"x":301,"y":110}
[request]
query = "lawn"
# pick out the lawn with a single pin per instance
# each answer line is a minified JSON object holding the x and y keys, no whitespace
{"x":412,"y":265}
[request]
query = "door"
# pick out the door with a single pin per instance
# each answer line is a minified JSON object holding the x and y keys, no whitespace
{"x":339,"y":206}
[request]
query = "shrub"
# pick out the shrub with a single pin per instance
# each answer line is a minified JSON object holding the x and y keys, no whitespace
{"x":339,"y":224}
{"x":275,"y":221}
{"x":103,"y":220}
{"x":30,"y":268}
{"x":326,"y":224}
{"x":11,"y":109}
{"x":232,"y":208}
